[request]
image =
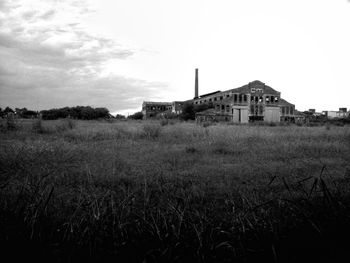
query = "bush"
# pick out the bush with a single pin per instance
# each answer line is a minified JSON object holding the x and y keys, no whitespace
{"x":136,"y":116}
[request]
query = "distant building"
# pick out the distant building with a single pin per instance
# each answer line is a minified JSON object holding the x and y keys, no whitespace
{"x":342,"y":113}
{"x":152,"y":109}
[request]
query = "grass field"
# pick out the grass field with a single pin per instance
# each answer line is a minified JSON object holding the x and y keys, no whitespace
{"x":138,"y":191}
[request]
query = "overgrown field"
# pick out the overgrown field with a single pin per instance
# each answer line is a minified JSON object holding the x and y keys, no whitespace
{"x":133,"y":191}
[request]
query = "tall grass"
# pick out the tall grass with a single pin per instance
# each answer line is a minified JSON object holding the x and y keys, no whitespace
{"x":145,"y":192}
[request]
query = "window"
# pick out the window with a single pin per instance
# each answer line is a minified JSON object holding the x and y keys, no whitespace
{"x":228,"y":95}
{"x":223,"y":107}
{"x":267,"y":99}
{"x":291,"y":110}
{"x":283,"y":111}
{"x":240,"y":97}
{"x":276,"y":99}
{"x":252,"y":98}
{"x":215,"y":99}
{"x":227,"y":108}
{"x":260,"y":99}
{"x":210,"y":99}
{"x":272,"y":99}
{"x":245,"y":98}
{"x":221,"y":97}
{"x":235,"y":98}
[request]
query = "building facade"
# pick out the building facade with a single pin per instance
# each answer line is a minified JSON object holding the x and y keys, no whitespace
{"x":252,"y":102}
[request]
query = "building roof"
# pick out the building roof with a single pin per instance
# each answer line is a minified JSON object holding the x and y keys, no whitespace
{"x":156,"y":103}
{"x":208,"y":94}
{"x":255,"y":84}
{"x":283,"y":102}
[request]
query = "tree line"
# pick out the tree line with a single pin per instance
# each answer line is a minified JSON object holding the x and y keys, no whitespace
{"x":77,"y":112}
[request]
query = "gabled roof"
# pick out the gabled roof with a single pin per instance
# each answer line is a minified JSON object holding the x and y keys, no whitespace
{"x":208,"y":94}
{"x":255,"y":84}
{"x":283,"y":102}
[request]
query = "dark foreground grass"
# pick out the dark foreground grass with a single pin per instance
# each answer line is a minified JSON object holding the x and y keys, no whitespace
{"x":142,"y":192}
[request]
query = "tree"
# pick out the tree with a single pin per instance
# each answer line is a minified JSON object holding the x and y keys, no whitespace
{"x":189,"y":110}
{"x":8,"y":110}
{"x":136,"y":116}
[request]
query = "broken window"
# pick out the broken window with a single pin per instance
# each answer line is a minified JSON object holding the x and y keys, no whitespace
{"x":256,"y":98}
{"x":215,"y":99}
{"x":260,"y":99}
{"x":227,"y":108}
{"x":222,"y":107}
{"x":252,"y":98}
{"x":221,"y":97}
{"x":251,"y":109}
{"x":267,"y":99}
{"x":276,"y":99}
{"x":240,"y":97}
{"x":245,"y":98}
{"x":272,"y":99}
{"x":235,"y":98}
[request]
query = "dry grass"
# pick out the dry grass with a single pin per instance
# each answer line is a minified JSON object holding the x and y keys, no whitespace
{"x":150,"y":192}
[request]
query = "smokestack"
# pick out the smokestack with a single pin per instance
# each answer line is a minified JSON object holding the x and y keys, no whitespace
{"x":196,"y":85}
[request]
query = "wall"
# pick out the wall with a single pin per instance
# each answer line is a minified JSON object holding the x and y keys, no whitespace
{"x":272,"y":114}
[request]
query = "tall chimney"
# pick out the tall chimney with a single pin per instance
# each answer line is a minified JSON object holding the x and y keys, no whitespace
{"x":196,"y":85}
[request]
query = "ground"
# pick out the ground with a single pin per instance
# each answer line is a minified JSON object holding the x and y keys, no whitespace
{"x":150,"y":191}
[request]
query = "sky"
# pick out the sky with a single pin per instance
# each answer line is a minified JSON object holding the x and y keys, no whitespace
{"x":119,"y":53}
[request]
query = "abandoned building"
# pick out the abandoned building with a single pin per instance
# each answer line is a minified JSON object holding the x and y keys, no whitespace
{"x":254,"y":101}
{"x":152,"y":109}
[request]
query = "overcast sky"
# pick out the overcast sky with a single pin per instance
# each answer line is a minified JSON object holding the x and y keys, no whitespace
{"x":116,"y":54}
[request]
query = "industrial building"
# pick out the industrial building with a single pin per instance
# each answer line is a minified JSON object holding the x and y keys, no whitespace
{"x":254,"y":101}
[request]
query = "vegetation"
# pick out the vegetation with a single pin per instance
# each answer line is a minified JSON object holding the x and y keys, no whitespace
{"x":78,"y":112}
{"x":189,"y":110}
{"x":145,"y":192}
{"x":136,"y":116}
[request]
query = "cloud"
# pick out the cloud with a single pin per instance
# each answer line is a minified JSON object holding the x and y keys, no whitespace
{"x":50,"y":58}
{"x":48,"y":14}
